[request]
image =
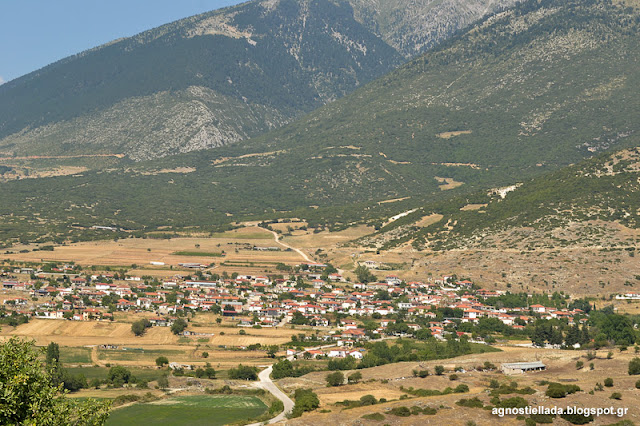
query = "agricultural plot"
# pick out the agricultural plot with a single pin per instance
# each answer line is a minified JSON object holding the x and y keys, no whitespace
{"x":86,"y":333}
{"x":234,"y":247}
{"x":71,"y":355}
{"x":190,"y":410}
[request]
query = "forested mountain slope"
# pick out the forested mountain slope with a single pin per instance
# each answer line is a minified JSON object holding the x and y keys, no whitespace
{"x":218,"y":78}
{"x":522,"y":93}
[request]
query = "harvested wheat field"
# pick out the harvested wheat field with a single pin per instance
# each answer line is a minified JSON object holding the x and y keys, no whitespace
{"x":85,"y":333}
{"x":142,"y":251}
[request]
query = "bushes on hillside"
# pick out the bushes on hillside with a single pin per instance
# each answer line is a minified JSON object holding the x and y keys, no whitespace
{"x":306,"y":400}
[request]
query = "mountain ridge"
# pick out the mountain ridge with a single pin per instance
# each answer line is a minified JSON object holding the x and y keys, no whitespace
{"x":468,"y":116}
{"x":269,"y":60}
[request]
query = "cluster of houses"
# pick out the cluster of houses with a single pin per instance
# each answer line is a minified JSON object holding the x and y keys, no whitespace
{"x":266,"y":301}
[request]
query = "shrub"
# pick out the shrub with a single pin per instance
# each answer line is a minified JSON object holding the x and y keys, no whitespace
{"x":462,"y":388}
{"x":374,"y":416}
{"x":638,"y":384}
{"x":421,"y":373}
{"x":558,"y":390}
{"x":429,"y":411}
{"x":439,"y":369}
{"x":542,"y":418}
{"x":616,"y":395}
{"x":453,"y":377}
{"x":470,"y":403}
{"x":634,"y":367}
{"x":400,"y":411}
{"x":368,"y":400}
{"x":577,"y":419}
{"x":515,"y":402}
{"x":608,"y":382}
{"x":125,"y":399}
{"x":579,"y":365}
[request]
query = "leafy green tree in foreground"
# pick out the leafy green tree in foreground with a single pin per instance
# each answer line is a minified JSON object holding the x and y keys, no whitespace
{"x":29,"y":398}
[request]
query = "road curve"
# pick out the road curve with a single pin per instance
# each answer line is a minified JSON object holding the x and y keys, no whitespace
{"x":267,"y":384}
{"x":304,"y":255}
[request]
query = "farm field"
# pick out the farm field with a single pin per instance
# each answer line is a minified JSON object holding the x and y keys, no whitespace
{"x":142,"y":251}
{"x":190,"y":410}
{"x":79,"y":342}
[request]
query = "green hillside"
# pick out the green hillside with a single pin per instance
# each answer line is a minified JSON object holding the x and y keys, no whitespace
{"x":218,"y":78}
{"x":604,"y":189}
{"x":523,"y":93}
{"x":201,"y":82}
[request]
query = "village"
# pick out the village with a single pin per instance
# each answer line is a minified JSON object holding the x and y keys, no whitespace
{"x":310,"y":297}
{"x":282,"y":322}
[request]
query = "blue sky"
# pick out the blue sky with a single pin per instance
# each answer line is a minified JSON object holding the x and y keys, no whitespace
{"x":35,"y":33}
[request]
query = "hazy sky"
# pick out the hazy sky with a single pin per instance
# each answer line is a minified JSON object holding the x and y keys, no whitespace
{"x":35,"y":33}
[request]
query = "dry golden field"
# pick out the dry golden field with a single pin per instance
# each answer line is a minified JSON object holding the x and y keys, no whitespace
{"x":385,"y":381}
{"x":235,"y":244}
{"x":142,"y":351}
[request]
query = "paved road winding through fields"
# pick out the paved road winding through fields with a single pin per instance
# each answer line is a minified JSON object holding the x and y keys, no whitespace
{"x":267,"y":384}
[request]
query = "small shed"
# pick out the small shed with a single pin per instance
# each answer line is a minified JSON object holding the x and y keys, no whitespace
{"x":522,"y":367}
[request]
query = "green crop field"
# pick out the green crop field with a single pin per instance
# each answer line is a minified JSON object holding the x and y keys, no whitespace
{"x":70,"y":355}
{"x":137,"y":355}
{"x":190,"y":410}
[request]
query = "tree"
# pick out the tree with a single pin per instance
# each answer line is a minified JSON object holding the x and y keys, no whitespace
{"x":161,"y":361}
{"x":53,"y":353}
{"x":210,"y":372}
{"x":335,"y":379}
{"x":243,"y":372}
{"x":178,"y":326}
{"x":306,"y":400}
{"x":29,"y":397}
{"x":119,"y":375}
{"x":139,"y":327}
{"x":439,"y":369}
{"x":163,"y":382}
{"x":282,"y":369}
{"x":634,"y":367}
{"x":364,"y":275}
{"x":354,"y":377}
